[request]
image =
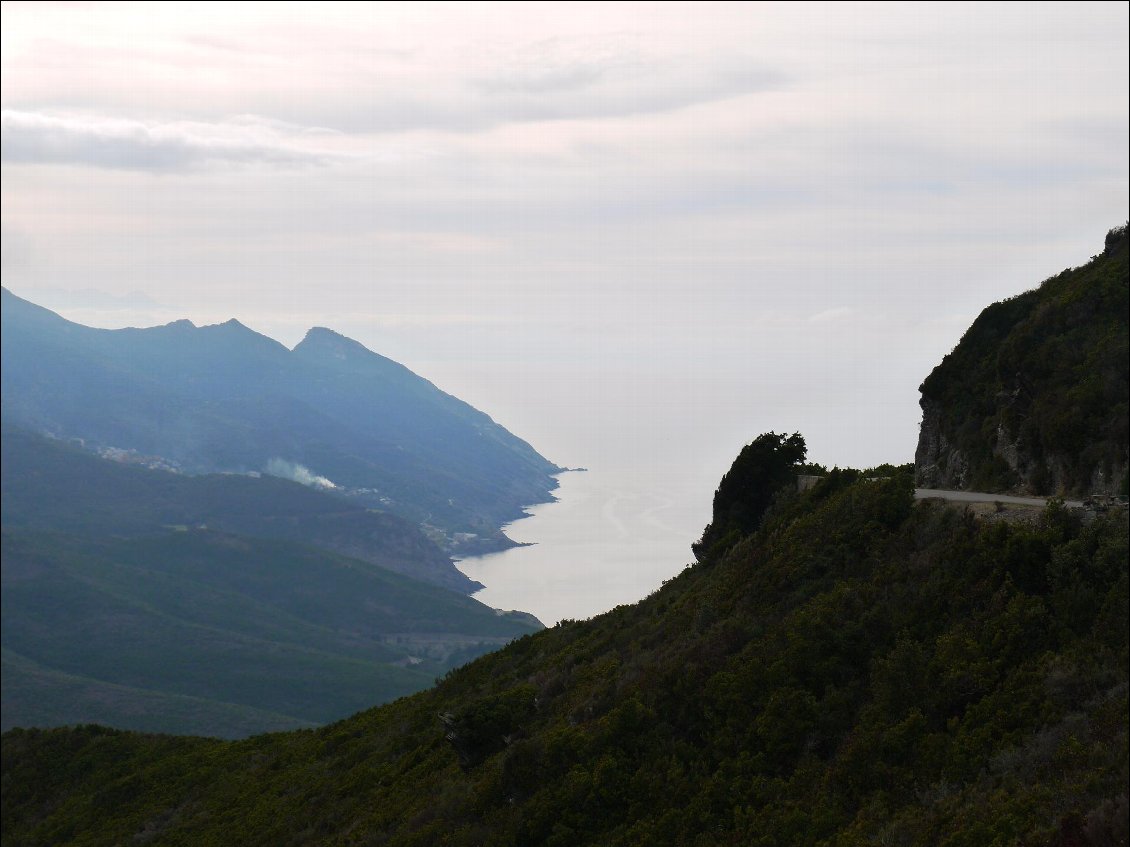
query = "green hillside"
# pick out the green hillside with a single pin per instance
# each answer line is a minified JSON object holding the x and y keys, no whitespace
{"x":217,"y":604}
{"x":242,"y":627}
{"x":860,"y":669}
{"x":1035,"y":397}
{"x":46,"y":484}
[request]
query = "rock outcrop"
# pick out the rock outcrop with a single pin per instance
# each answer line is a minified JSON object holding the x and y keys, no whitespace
{"x":937,"y":463}
{"x":1034,"y":398}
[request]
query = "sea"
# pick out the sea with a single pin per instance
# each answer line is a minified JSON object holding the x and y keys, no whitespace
{"x":607,"y":540}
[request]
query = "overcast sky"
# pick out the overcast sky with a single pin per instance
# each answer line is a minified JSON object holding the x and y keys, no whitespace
{"x":628,"y":232}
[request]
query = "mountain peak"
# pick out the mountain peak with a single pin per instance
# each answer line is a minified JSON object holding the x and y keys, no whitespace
{"x":325,"y":335}
{"x":323,"y":342}
{"x":316,"y":332}
{"x":232,"y":332}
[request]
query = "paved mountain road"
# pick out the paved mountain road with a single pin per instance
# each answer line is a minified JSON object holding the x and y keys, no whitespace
{"x":982,"y":497}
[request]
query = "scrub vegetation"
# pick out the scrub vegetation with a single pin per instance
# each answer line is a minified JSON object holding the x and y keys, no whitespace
{"x":860,"y":668}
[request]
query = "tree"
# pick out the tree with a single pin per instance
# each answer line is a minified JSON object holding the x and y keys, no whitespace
{"x":762,"y":469}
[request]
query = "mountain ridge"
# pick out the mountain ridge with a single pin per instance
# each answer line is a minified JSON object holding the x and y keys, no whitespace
{"x":224,"y":397}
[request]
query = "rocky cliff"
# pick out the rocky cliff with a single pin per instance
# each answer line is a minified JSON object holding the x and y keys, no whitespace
{"x":1034,"y":397}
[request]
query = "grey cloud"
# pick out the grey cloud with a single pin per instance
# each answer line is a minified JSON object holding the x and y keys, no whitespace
{"x":529,"y":86}
{"x":567,"y":93}
{"x":563,"y":89}
{"x":541,"y":80}
{"x":29,"y":137}
{"x":362,"y":88}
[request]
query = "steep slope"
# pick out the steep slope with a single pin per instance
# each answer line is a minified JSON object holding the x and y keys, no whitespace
{"x":861,"y":669}
{"x":241,"y":630}
{"x":48,"y":485}
{"x":224,"y":398}
{"x":1035,"y":396}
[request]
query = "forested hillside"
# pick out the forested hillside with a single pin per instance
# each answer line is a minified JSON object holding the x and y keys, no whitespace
{"x":857,"y":669}
{"x":217,"y":634}
{"x":224,"y":398}
{"x":220,"y":605}
{"x":1035,"y":397}
{"x":48,"y":485}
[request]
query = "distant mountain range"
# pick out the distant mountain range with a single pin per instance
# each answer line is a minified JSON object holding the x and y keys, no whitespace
{"x":205,"y":532}
{"x":224,"y":398}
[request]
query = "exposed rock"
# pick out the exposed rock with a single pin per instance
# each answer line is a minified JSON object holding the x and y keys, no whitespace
{"x":1033,"y":400}
{"x":937,"y":464}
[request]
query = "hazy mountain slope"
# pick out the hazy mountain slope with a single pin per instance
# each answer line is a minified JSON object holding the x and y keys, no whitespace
{"x":224,"y":397}
{"x":272,"y":626}
{"x":50,"y":485}
{"x":1035,"y":397}
{"x":862,"y":669}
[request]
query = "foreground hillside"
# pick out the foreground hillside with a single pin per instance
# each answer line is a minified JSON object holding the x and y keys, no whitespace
{"x":225,"y":398}
{"x":858,"y":669}
{"x":1035,"y":398}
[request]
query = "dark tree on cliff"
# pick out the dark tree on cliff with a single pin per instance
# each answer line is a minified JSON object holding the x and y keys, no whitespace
{"x":761,"y":470}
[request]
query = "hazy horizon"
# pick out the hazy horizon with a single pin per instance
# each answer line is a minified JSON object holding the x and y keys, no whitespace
{"x":635,"y":235}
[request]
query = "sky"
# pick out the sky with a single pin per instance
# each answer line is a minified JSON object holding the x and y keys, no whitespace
{"x":636,"y":235}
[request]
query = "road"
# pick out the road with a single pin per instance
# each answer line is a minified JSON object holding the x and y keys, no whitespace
{"x":982,"y":497}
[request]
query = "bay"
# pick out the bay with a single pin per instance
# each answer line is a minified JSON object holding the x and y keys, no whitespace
{"x":609,"y":539}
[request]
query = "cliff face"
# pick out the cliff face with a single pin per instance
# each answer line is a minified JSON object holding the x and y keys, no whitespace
{"x":940,"y":464}
{"x":1034,"y":397}
{"x":937,"y":463}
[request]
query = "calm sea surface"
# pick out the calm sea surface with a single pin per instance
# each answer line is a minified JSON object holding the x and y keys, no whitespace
{"x":608,"y":540}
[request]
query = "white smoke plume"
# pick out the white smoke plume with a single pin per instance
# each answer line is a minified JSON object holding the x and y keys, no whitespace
{"x":297,"y":473}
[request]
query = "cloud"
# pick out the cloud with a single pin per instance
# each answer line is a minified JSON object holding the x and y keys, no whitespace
{"x":614,"y":75}
{"x":589,"y":91}
{"x":834,"y":315}
{"x":353,"y":69}
{"x":115,"y":143}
